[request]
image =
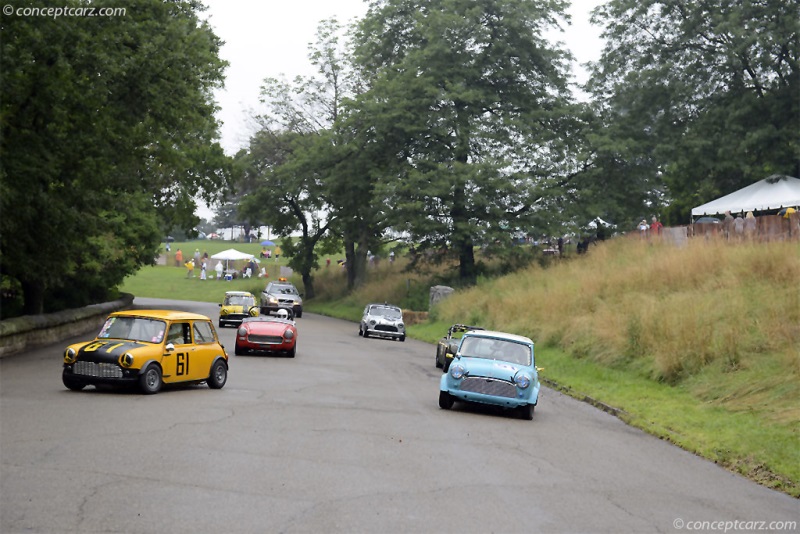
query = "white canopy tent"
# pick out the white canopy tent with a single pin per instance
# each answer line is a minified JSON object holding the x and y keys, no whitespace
{"x":232,"y":255}
{"x":770,"y":193}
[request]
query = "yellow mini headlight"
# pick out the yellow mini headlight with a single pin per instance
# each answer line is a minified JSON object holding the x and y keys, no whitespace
{"x":126,"y":360}
{"x":70,"y":355}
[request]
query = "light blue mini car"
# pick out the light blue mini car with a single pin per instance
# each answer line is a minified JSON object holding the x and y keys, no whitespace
{"x":492,"y":368}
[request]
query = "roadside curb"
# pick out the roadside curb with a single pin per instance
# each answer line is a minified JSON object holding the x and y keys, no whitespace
{"x":29,"y":331}
{"x":616,"y":412}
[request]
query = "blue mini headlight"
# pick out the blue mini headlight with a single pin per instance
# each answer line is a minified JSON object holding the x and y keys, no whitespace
{"x":456,"y":371}
{"x":522,"y":380}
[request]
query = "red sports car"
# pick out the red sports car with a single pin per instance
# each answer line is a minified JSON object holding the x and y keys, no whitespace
{"x":266,"y":333}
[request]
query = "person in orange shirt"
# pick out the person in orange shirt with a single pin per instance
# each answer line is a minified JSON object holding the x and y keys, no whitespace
{"x":178,"y":258}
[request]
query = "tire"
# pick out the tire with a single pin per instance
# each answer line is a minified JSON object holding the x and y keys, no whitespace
{"x":221,"y":324}
{"x":366,"y":334}
{"x":292,"y":353}
{"x":238,"y":351}
{"x":526,"y":412}
{"x":360,"y":333}
{"x":402,"y":338}
{"x":71,"y":383}
{"x":445,"y":400}
{"x":446,"y":364}
{"x":299,"y":314}
{"x":150,"y":381}
{"x":218,"y":376}
{"x":438,"y":365}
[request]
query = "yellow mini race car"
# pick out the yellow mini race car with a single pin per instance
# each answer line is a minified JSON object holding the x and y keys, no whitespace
{"x":148,"y":348}
{"x":236,"y":306}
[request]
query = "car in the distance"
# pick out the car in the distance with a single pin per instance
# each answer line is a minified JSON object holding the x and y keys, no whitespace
{"x":382,"y":320}
{"x":148,"y":348}
{"x":281,"y":294}
{"x":267,"y":334}
{"x":236,"y":306}
{"x":493,"y":368}
{"x":448,"y":345}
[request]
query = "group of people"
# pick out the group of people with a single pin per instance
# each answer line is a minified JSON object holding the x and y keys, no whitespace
{"x":267,"y":253}
{"x":739,"y":228}
{"x":654,"y":228}
{"x":203,"y":262}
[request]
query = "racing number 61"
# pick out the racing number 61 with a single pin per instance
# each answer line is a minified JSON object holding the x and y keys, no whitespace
{"x":182,"y":364}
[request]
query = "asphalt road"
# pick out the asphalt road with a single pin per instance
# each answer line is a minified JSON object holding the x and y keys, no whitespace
{"x":346,"y":437}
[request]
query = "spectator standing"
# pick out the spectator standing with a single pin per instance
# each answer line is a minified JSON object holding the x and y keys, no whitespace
{"x":750,"y":225}
{"x":203,"y":270}
{"x":178,"y":258}
{"x":167,"y":246}
{"x":727,"y":225}
{"x":197,"y":256}
{"x":738,"y":227}
{"x":642,"y":228}
{"x":656,"y":227}
{"x":189,"y":269}
{"x":218,"y":269}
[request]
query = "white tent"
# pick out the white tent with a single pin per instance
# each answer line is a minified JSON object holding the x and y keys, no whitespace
{"x":770,"y":193}
{"x":232,"y":255}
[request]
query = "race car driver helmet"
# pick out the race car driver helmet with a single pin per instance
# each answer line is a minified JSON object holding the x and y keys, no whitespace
{"x":283,"y":314}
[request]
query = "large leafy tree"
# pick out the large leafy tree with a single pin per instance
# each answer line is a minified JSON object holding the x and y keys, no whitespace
{"x":702,"y":95}
{"x":108,"y":134}
{"x":289,"y":194}
{"x":471,"y":102}
{"x":305,"y":172}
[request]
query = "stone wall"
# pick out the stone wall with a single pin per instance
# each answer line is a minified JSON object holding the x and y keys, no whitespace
{"x":29,"y":331}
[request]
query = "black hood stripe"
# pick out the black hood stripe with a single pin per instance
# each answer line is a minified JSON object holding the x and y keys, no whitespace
{"x":106,"y":351}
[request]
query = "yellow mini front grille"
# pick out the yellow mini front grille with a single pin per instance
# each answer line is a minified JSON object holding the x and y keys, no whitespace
{"x":100,"y":370}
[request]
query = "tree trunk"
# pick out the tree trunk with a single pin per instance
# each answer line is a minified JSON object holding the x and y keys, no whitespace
{"x":33,"y":297}
{"x":308,"y":264}
{"x":350,"y":259}
{"x":462,"y":238}
{"x":361,"y":254}
{"x":355,"y":250}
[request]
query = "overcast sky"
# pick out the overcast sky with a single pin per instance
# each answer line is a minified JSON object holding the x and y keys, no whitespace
{"x":269,"y":38}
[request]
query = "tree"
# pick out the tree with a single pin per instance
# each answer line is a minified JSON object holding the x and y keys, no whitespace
{"x":108,"y":133}
{"x":706,"y":92}
{"x":472,"y":104}
{"x":304,"y":159}
{"x":290,"y":194}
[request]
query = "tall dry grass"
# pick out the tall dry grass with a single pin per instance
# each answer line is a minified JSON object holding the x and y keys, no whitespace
{"x":667,"y":311}
{"x":387,"y":282}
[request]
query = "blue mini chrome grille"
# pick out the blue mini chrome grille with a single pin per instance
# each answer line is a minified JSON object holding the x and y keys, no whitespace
{"x":489,"y":386}
{"x":100,"y":370}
